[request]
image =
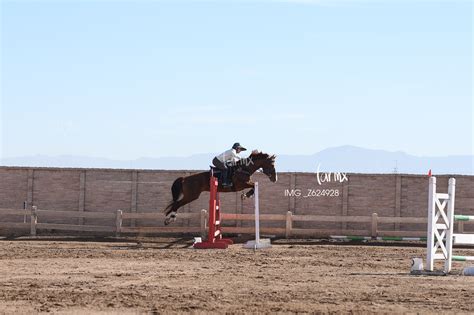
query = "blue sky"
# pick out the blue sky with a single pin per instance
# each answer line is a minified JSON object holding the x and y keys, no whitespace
{"x":123,"y":79}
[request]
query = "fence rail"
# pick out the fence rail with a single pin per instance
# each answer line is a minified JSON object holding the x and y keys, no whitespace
{"x":34,"y":220}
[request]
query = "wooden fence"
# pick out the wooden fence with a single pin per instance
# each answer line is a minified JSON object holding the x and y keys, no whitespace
{"x":35,"y":219}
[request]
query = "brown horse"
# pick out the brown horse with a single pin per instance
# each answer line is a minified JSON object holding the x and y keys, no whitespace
{"x":191,"y":187}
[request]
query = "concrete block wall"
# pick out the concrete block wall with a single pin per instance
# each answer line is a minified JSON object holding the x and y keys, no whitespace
{"x":149,"y":191}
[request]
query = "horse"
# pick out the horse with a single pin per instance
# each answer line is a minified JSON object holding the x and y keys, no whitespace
{"x":190,"y":187}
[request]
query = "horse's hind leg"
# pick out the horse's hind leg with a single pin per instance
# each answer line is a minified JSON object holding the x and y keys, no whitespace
{"x":171,"y":214}
{"x":170,"y":218}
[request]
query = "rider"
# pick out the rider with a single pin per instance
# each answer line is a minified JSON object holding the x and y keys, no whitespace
{"x":228,"y":157}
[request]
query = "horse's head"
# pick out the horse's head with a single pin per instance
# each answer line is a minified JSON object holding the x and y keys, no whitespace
{"x":265,"y":162}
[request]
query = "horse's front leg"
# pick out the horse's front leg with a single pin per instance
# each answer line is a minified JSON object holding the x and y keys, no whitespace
{"x":249,"y":193}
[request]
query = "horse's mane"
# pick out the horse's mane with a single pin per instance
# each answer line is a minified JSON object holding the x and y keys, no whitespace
{"x":256,"y":155}
{"x":259,"y":155}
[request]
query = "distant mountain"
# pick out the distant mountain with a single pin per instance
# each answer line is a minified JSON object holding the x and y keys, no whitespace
{"x":360,"y":160}
{"x":193,"y":162}
{"x":338,"y":159}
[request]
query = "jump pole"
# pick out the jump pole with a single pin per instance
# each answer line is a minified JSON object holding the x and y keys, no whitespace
{"x":214,"y":235}
{"x":257,"y":243}
{"x":378,"y":238}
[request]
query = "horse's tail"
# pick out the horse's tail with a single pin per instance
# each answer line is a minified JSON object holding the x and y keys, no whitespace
{"x":176,"y":191}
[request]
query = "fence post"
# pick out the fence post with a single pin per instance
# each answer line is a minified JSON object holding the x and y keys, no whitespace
{"x":289,"y":224}
{"x":34,"y":221}
{"x":460,"y":227}
{"x":133,"y":206}
{"x":118,"y":222}
{"x":25,"y":207}
{"x":82,"y":196}
{"x":345,"y":203}
{"x":292,"y":187}
{"x":374,"y":225}
{"x":29,"y":195}
{"x":203,"y":222}
{"x":398,"y":199}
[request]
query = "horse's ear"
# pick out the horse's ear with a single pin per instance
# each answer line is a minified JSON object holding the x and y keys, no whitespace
{"x":273,"y":157}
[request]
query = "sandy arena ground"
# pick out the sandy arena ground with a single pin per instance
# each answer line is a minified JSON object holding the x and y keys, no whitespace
{"x":157,"y":275}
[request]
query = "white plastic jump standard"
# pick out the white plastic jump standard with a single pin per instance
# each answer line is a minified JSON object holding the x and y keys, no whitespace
{"x":441,"y":226}
{"x":258,"y":243}
{"x":440,"y":235}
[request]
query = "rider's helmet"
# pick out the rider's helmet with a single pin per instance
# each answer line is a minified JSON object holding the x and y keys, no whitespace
{"x":238,"y":146}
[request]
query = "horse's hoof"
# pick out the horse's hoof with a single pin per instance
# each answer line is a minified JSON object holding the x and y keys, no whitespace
{"x":243,"y":196}
{"x":167,"y":221}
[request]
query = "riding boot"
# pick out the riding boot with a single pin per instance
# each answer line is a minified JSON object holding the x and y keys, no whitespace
{"x":225,"y":176}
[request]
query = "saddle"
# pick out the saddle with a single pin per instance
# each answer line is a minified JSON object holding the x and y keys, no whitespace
{"x":218,"y":173}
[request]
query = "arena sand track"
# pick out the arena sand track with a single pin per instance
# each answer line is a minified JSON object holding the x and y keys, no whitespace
{"x":165,"y":276}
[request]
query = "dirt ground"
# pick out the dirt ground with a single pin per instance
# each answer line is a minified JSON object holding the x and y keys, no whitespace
{"x":157,"y":275}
